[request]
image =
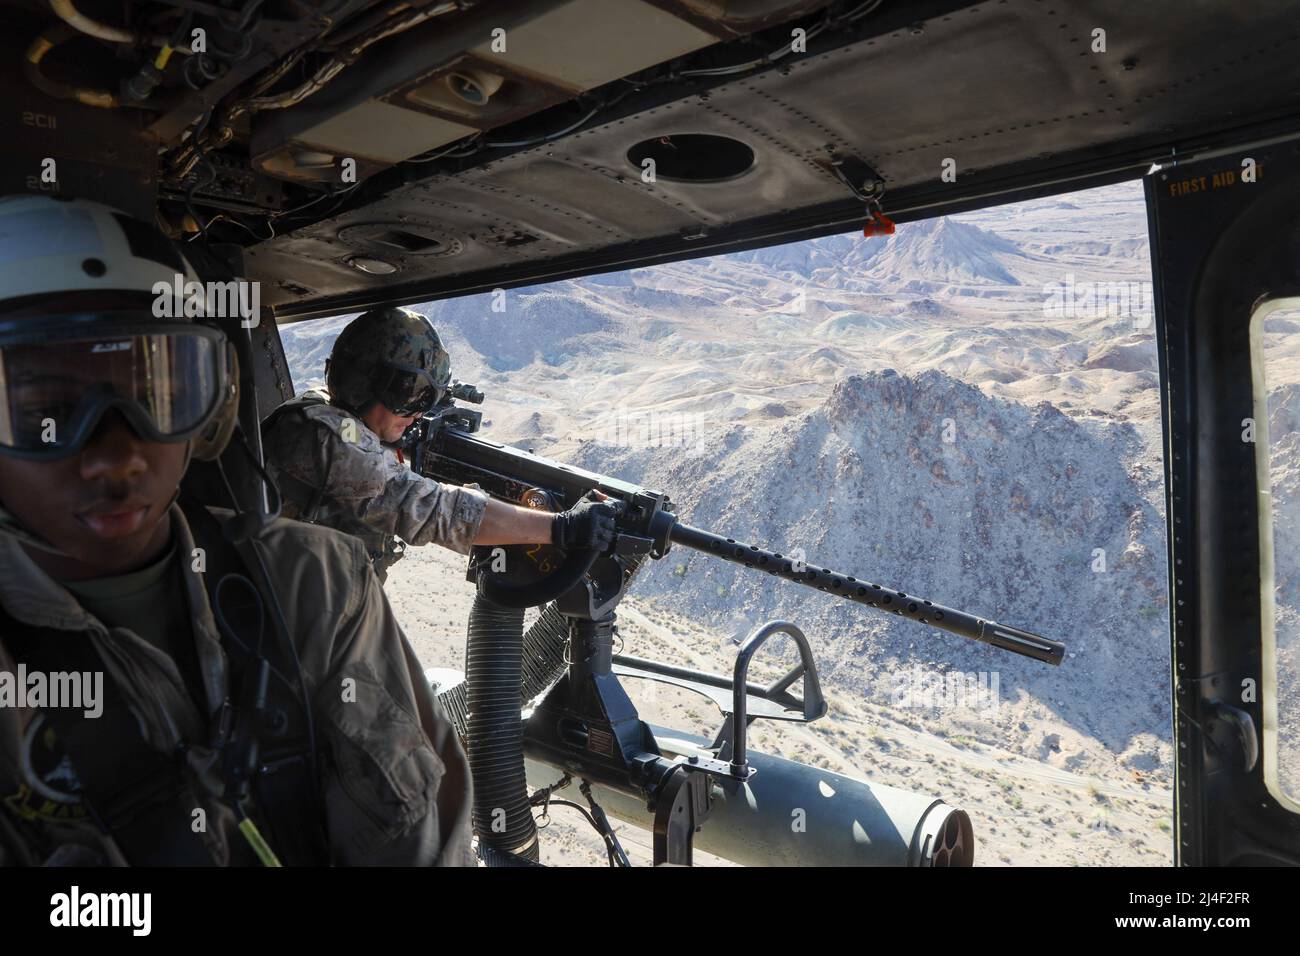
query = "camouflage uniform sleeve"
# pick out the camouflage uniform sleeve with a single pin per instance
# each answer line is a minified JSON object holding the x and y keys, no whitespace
{"x":420,"y":510}
{"x":365,"y":482}
{"x":397,"y":782}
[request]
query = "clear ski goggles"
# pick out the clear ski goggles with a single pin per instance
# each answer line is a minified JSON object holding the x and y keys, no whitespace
{"x":60,"y":374}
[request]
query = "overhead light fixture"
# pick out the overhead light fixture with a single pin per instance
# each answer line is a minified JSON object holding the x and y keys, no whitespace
{"x":372,"y":266}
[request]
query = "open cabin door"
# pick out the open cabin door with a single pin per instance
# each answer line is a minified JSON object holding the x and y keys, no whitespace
{"x":1225,"y":244}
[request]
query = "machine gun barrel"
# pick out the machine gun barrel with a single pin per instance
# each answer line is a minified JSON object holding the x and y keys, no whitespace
{"x":873,"y":595}
{"x":444,"y":446}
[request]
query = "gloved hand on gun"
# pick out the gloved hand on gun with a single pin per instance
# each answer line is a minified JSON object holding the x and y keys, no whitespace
{"x":589,"y":524}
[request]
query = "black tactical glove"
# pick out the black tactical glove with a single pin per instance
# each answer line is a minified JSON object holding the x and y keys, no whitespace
{"x":588,"y":524}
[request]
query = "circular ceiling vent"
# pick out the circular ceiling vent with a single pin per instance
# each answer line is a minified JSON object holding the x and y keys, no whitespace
{"x":693,"y":157}
{"x":388,"y":239}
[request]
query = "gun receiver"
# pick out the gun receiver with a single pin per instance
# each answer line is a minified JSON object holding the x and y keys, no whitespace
{"x":443,"y":445}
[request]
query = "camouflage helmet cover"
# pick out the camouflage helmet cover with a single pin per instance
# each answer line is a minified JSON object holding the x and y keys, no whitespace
{"x":390,"y":355}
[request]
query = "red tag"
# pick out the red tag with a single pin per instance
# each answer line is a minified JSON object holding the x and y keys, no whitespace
{"x":880,"y":225}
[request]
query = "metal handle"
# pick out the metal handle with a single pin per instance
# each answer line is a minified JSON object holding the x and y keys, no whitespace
{"x":813,"y":704}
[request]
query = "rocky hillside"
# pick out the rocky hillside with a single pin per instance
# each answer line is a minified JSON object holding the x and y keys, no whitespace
{"x":1024,"y":515}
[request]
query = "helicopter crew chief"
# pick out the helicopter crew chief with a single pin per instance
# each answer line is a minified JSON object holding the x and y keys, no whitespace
{"x":259,"y":706}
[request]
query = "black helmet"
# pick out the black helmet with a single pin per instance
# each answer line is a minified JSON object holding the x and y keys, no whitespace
{"x":392,"y":356}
